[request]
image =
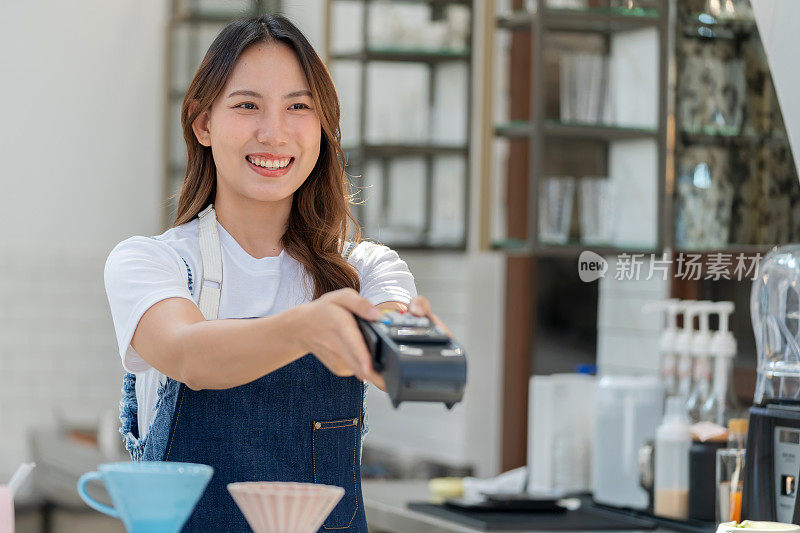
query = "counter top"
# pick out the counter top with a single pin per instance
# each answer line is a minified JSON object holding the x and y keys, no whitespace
{"x":385,"y":507}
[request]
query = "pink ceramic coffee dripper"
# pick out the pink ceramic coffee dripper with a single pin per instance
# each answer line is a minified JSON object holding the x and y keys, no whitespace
{"x":272,"y":507}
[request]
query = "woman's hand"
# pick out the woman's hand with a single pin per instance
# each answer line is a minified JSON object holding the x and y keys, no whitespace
{"x":420,"y":306}
{"x":328,"y":329}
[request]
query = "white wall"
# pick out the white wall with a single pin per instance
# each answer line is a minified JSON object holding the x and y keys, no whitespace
{"x":82,"y":119}
{"x":81,"y":145}
{"x":81,"y":151}
{"x":627,"y":339}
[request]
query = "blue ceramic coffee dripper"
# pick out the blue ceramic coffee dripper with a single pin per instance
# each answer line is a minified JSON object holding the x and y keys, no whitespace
{"x":149,"y":496}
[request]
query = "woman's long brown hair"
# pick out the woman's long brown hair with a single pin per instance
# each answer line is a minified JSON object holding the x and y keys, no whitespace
{"x":320,"y":213}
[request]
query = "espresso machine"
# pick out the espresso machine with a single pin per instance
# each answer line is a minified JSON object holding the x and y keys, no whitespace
{"x":772,"y":461}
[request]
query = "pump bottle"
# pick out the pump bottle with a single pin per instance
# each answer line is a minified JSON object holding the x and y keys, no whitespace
{"x":701,"y":343}
{"x":668,"y":363}
{"x":722,"y":405}
{"x":683,"y":350}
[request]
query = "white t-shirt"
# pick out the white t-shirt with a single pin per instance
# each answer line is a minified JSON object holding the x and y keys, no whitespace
{"x":142,"y":271}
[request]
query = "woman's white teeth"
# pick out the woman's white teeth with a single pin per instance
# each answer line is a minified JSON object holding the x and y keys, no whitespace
{"x":272,"y":164}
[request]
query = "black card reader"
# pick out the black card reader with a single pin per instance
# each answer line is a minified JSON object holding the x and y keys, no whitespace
{"x":418,"y":361}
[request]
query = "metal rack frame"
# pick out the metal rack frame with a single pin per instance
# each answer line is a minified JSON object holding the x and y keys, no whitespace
{"x":538,"y":128}
{"x":186,"y":13}
{"x":710,"y":30}
{"x":363,"y":151}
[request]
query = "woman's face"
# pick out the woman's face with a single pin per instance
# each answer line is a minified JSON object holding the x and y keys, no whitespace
{"x":263,"y":128}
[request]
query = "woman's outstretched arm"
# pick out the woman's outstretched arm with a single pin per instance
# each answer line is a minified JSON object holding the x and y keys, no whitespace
{"x":174,"y":338}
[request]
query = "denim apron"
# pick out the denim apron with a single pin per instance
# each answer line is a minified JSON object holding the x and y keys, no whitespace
{"x":298,"y":423}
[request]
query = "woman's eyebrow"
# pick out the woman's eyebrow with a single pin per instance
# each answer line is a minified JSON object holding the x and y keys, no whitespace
{"x":295,"y":94}
{"x":244,"y":92}
{"x":254,"y":94}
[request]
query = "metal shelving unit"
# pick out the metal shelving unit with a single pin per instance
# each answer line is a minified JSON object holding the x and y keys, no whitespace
{"x":191,"y":24}
{"x":709,"y":30}
{"x":605,"y":22}
{"x":365,"y":151}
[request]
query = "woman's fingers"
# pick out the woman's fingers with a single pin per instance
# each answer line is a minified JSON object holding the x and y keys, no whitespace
{"x":349,"y":348}
{"x":355,"y":346}
{"x":420,"y":306}
{"x":355,"y":303}
{"x":379,"y":382}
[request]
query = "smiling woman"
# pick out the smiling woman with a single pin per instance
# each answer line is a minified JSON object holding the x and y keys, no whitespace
{"x":258,"y":111}
{"x":275,"y":391}
{"x":296,"y":112}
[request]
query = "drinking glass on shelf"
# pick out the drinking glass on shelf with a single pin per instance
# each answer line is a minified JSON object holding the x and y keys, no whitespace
{"x":730,"y":471}
{"x":555,"y":208}
{"x":567,"y":4}
{"x":705,"y":196}
{"x":633,"y":4}
{"x":567,"y":86}
{"x":583,"y":87}
{"x":595,"y":201}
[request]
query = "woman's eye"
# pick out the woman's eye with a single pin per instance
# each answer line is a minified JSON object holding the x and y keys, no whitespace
{"x":246,"y":104}
{"x":302,"y":106}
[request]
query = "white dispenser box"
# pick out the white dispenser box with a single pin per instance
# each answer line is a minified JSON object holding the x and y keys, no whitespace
{"x":560,"y":432}
{"x":628,"y":410}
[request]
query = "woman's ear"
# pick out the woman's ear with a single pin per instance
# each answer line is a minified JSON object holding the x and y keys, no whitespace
{"x":200,"y":125}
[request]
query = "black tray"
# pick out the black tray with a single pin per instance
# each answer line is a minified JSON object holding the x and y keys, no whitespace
{"x":586,"y":518}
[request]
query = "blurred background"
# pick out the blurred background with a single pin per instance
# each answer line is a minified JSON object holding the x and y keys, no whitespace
{"x":493,"y":140}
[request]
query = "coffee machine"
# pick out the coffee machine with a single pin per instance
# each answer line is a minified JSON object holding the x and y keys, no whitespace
{"x":772,"y":461}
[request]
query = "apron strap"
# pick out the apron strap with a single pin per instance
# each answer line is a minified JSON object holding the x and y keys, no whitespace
{"x":211,"y":253}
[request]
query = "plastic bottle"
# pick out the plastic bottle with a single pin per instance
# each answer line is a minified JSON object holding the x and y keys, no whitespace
{"x":668,"y":361}
{"x":683,"y":349}
{"x":673,"y":440}
{"x":722,"y":405}
{"x":701,"y":374}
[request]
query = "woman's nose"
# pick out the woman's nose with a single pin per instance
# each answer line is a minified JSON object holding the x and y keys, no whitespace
{"x":272,"y":131}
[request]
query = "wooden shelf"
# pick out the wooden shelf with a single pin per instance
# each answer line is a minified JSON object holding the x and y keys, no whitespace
{"x":515,"y":129}
{"x":581,"y":20}
{"x":569,"y":249}
{"x":406,"y":150}
{"x":431,"y":2}
{"x":211,"y":17}
{"x":729,"y":137}
{"x":566,"y":130}
{"x":734,"y":249}
{"x":516,"y":20}
{"x":404,"y":55}
{"x":572,"y":249}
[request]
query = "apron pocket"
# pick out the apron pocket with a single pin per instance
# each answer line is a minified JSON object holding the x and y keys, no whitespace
{"x":335,"y":448}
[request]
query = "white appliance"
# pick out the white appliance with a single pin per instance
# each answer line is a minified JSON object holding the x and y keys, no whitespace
{"x":628,"y":410}
{"x":560,"y":430}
